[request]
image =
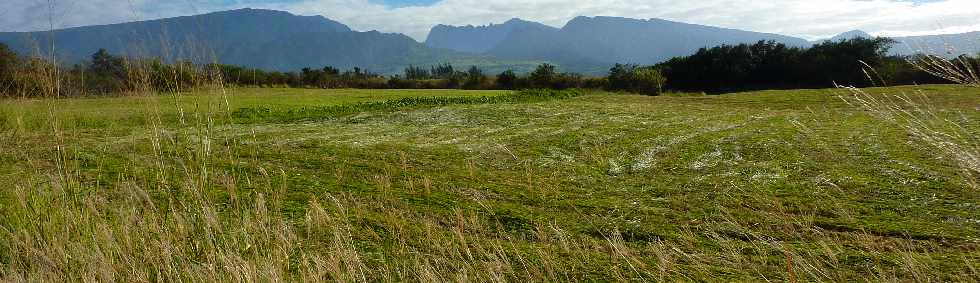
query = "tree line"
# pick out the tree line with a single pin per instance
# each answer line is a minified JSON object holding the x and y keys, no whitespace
{"x":446,"y":76}
{"x":857,"y":62}
{"x":762,"y":65}
{"x":105,"y":73}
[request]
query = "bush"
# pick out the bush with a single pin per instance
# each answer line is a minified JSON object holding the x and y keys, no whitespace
{"x":632,"y":78}
{"x":648,"y":81}
{"x":595,"y":83}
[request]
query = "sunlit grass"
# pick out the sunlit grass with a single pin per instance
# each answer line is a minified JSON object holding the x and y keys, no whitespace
{"x":771,"y":185}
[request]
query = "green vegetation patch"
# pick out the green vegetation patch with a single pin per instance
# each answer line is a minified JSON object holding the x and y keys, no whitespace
{"x":432,"y":185}
{"x":270,"y":115}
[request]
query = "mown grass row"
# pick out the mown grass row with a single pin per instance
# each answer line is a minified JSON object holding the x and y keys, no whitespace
{"x":732,"y":191}
{"x":250,"y":115}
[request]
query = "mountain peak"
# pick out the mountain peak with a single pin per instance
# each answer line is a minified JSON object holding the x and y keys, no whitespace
{"x":250,"y":11}
{"x":584,"y":21}
{"x":603,"y":19}
{"x":851,"y":35}
{"x":477,"y":39}
{"x":515,"y":21}
{"x":229,"y":33}
{"x":275,"y":16}
{"x":587,"y":20}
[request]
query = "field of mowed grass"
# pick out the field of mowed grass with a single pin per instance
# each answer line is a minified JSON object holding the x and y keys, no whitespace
{"x":132,"y":110}
{"x":382,"y":185}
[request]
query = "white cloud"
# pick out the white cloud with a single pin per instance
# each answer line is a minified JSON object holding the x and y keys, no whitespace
{"x":33,"y":15}
{"x":805,"y":18}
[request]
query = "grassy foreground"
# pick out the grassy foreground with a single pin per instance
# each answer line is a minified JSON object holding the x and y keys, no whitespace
{"x":357,"y":185}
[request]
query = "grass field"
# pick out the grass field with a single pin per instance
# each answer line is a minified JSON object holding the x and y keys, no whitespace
{"x":583,"y":186}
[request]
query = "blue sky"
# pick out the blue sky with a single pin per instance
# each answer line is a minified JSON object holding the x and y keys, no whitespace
{"x":811,"y":19}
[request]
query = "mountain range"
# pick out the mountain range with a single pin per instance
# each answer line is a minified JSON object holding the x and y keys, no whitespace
{"x":277,"y":40}
{"x":594,"y":41}
{"x":943,"y":45}
{"x":266,"y":39}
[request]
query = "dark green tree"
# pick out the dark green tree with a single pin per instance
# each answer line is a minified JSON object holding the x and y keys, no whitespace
{"x":106,"y":64}
{"x":8,"y":61}
{"x":106,"y":73}
{"x":845,"y":62}
{"x":416,"y":73}
{"x":633,"y":78}
{"x":620,"y":76}
{"x":331,"y":71}
{"x":543,"y":76}
{"x":443,"y":71}
{"x":474,"y":78}
{"x":647,"y":81}
{"x":507,"y":80}
{"x":771,"y":65}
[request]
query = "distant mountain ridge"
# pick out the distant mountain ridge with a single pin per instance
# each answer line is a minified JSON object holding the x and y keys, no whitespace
{"x":586,"y":43}
{"x":221,"y":32}
{"x":267,"y":39}
{"x":276,"y":40}
{"x":477,"y":39}
{"x":851,"y":35}
{"x":606,"y":40}
{"x":942,"y":44}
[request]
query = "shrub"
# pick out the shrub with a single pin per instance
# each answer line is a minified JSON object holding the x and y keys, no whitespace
{"x":595,"y":83}
{"x":648,"y":81}
{"x":565,"y":81}
{"x":632,"y":78}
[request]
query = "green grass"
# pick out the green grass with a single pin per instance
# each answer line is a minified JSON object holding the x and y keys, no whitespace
{"x":383,"y":185}
{"x":129,"y":108}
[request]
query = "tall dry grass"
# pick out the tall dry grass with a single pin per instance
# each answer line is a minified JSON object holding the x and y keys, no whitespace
{"x":176,"y":214}
{"x":948,"y":133}
{"x":960,"y":70}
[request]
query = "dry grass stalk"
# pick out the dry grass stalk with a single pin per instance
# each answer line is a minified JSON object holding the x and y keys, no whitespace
{"x":168,"y":222}
{"x":945,"y":133}
{"x":950,"y":134}
{"x":961,"y":70}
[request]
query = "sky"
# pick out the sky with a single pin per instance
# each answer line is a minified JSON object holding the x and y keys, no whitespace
{"x":810,"y":19}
